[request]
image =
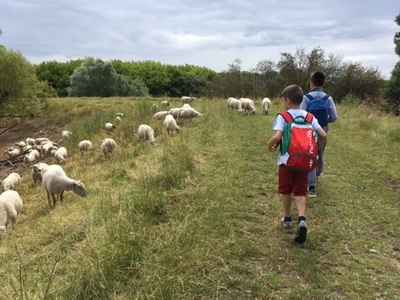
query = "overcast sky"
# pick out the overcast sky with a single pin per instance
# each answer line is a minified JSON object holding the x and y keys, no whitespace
{"x":204,"y":33}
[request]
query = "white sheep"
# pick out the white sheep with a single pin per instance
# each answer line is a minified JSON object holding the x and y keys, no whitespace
{"x":160,"y":115}
{"x":170,"y":124}
{"x":20,"y":144}
{"x":66,"y":133}
{"x":11,"y":182}
{"x":266,"y":103}
{"x":248,"y":105}
{"x":30,"y":141}
{"x":37,"y":172}
{"x":55,"y":182}
{"x":187,"y":99}
{"x":31,"y":157}
{"x":85,"y":145}
{"x":110,"y":127}
{"x":118,"y":120}
{"x":165,"y":103}
{"x":10,"y":207}
{"x":146,"y":133}
{"x":11,"y":151}
{"x":39,"y":141}
{"x":186,"y":105}
{"x":120,"y":114}
{"x":108,"y":145}
{"x":175,"y":112}
{"x":61,"y":155}
{"x":235,"y":104}
{"x":189,"y":113}
{"x":46,"y":147}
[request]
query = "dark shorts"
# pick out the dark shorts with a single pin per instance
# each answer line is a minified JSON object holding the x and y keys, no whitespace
{"x":292,"y":182}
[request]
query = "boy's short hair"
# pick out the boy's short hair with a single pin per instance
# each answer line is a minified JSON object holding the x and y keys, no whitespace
{"x":318,"y":78}
{"x":294,"y":93}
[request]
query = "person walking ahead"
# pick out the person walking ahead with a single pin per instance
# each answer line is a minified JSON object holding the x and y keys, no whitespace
{"x":290,"y":181}
{"x":317,"y":81}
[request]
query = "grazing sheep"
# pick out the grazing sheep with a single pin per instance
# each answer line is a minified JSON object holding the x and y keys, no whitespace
{"x":186,"y":105}
{"x":47,"y":147}
{"x":55,"y":182}
{"x":66,"y":133}
{"x":235,"y":104}
{"x":37,"y":172}
{"x":10,"y":207}
{"x":189,"y":113}
{"x":61,"y":155}
{"x":120,"y":114}
{"x":187,"y":99}
{"x":11,"y":151}
{"x":39,"y":141}
{"x":160,"y":115}
{"x":85,"y":145}
{"x":146,"y":133}
{"x":266,"y":103}
{"x":118,"y":120}
{"x":170,"y":124}
{"x":20,"y":144}
{"x":30,"y":141}
{"x":165,"y":103}
{"x":108,"y":145}
{"x":248,"y":105}
{"x":110,"y":127}
{"x":11,"y":182}
{"x":175,"y":112}
{"x":31,"y":157}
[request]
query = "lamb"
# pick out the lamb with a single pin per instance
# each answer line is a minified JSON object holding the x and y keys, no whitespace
{"x":55,"y":182}
{"x":11,"y":151}
{"x":31,"y":157}
{"x":187,"y":99}
{"x":165,"y":103}
{"x":266,"y":103}
{"x":118,"y":120}
{"x":11,"y":182}
{"x":66,"y":133}
{"x":146,"y":133}
{"x":110,"y":127}
{"x":61,"y":155}
{"x":47,"y":147}
{"x":160,"y":115}
{"x":85,"y":145}
{"x":37,"y":172}
{"x":235,"y":104}
{"x":170,"y":124}
{"x":108,"y":145}
{"x":248,"y":105}
{"x":189,"y":113}
{"x":10,"y":207}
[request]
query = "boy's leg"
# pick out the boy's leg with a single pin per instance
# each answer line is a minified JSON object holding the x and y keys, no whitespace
{"x":285,"y":185}
{"x":299,"y":191}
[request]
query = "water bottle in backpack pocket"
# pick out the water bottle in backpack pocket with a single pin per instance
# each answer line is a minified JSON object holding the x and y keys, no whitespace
{"x":319,"y":108}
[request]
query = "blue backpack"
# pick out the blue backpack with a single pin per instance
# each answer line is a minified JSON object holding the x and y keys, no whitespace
{"x":319,"y":108}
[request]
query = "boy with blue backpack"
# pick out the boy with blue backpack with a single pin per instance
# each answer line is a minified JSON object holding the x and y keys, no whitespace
{"x":299,"y":136}
{"x":323,"y":108}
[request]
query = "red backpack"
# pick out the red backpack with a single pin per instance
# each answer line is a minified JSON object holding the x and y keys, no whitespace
{"x":299,"y":143}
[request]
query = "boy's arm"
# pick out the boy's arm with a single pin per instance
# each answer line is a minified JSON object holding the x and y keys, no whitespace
{"x":274,"y":140}
{"x":322,"y":136}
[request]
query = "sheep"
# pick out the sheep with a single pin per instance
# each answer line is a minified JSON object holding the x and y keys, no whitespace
{"x":146,"y":133}
{"x":235,"y":104}
{"x":175,"y":112}
{"x":120,"y":114}
{"x":39,"y":141}
{"x":118,"y":120}
{"x":108,"y":145}
{"x":46,"y":147}
{"x":165,"y":103}
{"x":11,"y":151}
{"x":170,"y":124}
{"x":66,"y":133}
{"x":110,"y":127}
{"x":85,"y":145}
{"x":186,"y":105}
{"x":61,"y":155}
{"x":160,"y":115}
{"x":187,"y":99}
{"x":20,"y":144}
{"x":11,"y":182}
{"x":266,"y":103}
{"x":30,"y":141}
{"x":248,"y":105}
{"x":189,"y":113}
{"x":31,"y":157}
{"x":37,"y":172}
{"x":55,"y":182}
{"x":10,"y":207}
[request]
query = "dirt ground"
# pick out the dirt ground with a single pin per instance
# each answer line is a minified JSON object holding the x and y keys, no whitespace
{"x":32,"y":128}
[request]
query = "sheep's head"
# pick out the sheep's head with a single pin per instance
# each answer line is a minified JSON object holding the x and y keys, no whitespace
{"x":2,"y":232}
{"x":79,"y":188}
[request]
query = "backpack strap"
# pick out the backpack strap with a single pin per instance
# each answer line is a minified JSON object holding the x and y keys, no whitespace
{"x":286,"y":116}
{"x":309,"y":117}
{"x":312,"y":98}
{"x":309,"y":96}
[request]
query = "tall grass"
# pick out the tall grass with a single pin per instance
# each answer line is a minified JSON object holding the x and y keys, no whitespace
{"x":196,"y":216}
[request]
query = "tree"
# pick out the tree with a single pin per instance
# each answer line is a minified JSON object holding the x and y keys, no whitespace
{"x":20,"y":90}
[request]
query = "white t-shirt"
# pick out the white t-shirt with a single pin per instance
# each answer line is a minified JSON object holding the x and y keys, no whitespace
{"x":280,"y":124}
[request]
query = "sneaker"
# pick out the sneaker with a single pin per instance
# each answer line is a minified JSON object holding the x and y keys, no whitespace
{"x":312,"y":193}
{"x":301,"y":232}
{"x":286,"y":224}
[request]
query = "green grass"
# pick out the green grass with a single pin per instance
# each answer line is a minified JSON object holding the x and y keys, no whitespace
{"x":197,"y":215}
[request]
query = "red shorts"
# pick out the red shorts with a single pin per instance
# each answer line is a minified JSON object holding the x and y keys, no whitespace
{"x":292,"y":182}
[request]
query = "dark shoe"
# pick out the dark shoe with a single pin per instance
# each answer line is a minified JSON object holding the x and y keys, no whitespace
{"x":286,"y":224}
{"x":312,"y":193}
{"x":301,"y":233}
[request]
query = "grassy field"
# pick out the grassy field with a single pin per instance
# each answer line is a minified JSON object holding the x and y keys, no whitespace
{"x":197,"y":215}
